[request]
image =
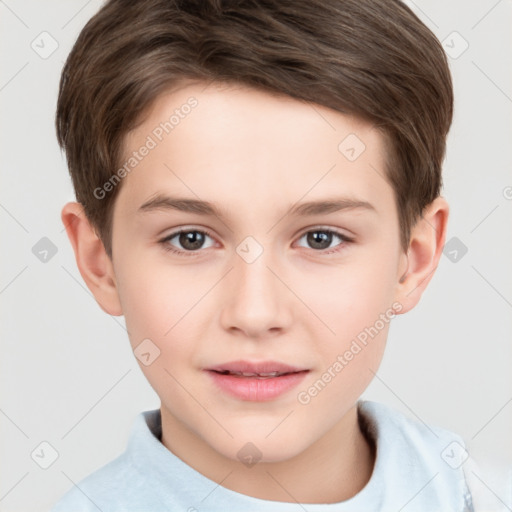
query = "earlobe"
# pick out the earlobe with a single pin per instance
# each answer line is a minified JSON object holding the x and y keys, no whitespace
{"x":92,"y":260}
{"x":425,"y":248}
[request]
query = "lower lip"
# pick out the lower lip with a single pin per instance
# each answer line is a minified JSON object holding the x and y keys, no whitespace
{"x":254,"y":389}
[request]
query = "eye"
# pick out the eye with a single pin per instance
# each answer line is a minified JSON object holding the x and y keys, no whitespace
{"x":321,"y":239}
{"x":190,"y":239}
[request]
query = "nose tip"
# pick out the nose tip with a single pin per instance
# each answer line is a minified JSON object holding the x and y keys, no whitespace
{"x":255,"y":303}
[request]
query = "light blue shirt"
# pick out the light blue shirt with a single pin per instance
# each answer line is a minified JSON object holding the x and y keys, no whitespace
{"x":417,"y":468}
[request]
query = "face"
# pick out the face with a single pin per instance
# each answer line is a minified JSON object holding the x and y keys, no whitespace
{"x":294,"y":261}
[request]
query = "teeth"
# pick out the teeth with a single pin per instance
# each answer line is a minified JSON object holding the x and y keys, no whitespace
{"x":246,"y":374}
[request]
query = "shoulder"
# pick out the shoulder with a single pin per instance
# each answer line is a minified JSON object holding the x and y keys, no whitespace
{"x":101,"y":489}
{"x":121,"y":484}
{"x":407,"y":432}
{"x":420,"y":455}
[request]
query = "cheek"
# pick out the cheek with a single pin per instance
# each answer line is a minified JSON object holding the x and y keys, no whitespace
{"x":350,"y":297}
{"x":156,"y":299}
{"x":357,"y":312}
{"x":161,"y":313}
{"x":353,"y":305}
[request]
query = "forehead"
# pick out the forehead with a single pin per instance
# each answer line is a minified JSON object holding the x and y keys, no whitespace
{"x":237,"y":145}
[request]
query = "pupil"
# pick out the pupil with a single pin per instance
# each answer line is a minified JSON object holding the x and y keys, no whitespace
{"x":323,"y":237}
{"x":192,"y":240}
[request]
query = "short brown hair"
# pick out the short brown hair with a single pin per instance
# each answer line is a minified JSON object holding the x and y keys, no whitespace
{"x":371,"y":58}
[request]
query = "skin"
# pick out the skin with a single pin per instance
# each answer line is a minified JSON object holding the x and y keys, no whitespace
{"x":255,"y":155}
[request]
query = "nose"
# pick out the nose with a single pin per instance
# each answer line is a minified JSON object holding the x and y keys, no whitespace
{"x":257,"y":304}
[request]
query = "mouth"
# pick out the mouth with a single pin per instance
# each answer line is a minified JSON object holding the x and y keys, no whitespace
{"x":250,"y":368}
{"x":270,"y":375}
{"x":256,"y":381}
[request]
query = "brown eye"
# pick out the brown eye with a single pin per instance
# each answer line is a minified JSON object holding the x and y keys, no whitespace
{"x":321,"y":239}
{"x":189,"y":241}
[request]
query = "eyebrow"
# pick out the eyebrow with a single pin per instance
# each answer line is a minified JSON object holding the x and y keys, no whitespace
{"x":162,"y":202}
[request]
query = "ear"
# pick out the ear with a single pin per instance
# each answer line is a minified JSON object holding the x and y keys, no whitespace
{"x":94,"y":264}
{"x":425,"y":248}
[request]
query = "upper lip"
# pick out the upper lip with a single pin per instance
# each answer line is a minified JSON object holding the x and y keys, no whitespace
{"x":255,"y":367}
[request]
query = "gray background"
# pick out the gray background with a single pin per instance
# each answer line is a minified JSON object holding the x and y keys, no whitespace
{"x":68,"y":375}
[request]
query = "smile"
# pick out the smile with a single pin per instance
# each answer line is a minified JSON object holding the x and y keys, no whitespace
{"x":257,"y":382}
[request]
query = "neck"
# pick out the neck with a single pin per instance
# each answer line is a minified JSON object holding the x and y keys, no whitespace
{"x":333,"y":469}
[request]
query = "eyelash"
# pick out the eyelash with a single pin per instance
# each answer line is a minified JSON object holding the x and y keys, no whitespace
{"x":167,"y":247}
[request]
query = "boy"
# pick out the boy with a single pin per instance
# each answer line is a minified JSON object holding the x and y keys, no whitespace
{"x":303,"y":142}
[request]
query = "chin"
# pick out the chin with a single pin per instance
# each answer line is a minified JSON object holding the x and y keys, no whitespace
{"x":253,"y":445}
